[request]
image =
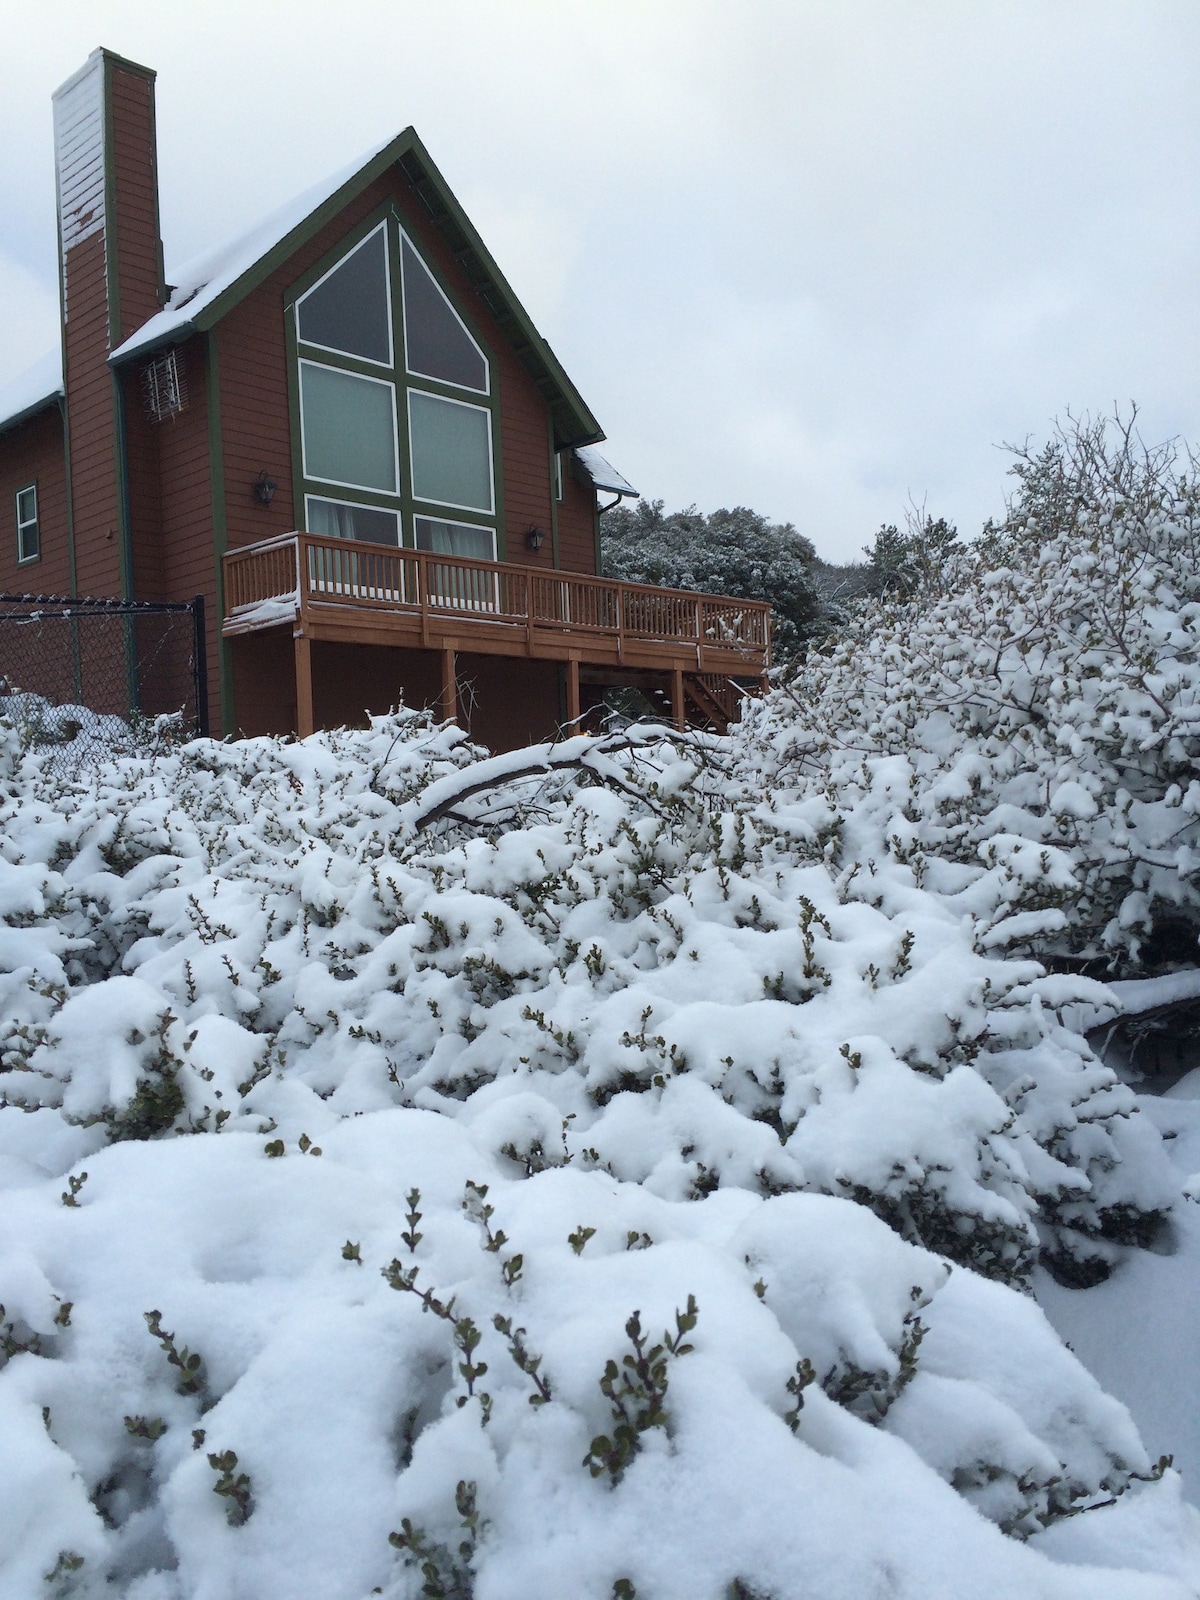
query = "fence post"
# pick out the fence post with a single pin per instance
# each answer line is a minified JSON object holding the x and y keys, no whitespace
{"x":200,"y":666}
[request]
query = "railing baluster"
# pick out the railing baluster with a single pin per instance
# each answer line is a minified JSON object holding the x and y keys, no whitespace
{"x":340,"y":571}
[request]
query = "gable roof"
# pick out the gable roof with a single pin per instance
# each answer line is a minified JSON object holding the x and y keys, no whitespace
{"x":213,"y":284}
{"x":34,"y":390}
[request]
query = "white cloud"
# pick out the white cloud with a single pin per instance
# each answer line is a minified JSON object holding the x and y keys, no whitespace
{"x":806,"y":256}
{"x":29,"y":322}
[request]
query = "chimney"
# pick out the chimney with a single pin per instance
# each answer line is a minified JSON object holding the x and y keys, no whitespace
{"x":111,"y":281}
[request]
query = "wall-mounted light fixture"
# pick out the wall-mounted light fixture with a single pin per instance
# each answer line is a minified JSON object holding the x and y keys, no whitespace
{"x":264,"y":488}
{"x":535,"y":538}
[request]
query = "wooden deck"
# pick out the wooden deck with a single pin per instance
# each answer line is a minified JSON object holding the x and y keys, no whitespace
{"x":358,"y":593}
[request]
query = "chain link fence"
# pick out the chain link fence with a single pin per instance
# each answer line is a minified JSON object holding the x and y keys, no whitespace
{"x":82,"y":678}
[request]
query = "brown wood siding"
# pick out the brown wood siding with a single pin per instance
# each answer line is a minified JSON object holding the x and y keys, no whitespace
{"x":92,"y":420}
{"x":134,"y":229}
{"x":255,"y":428}
{"x":507,"y":703}
{"x":33,"y":453}
{"x":264,"y":683}
{"x":145,"y":504}
{"x":354,"y":681}
{"x":577,"y":524}
{"x":187,"y":528}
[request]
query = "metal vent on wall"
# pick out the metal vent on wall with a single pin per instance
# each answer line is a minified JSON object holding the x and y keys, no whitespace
{"x":164,"y":386}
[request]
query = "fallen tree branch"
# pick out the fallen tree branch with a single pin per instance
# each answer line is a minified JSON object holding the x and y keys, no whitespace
{"x":583,"y":752}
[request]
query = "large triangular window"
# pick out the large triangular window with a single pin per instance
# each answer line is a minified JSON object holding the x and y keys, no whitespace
{"x":395,"y":403}
{"x":349,"y":309}
{"x":437,"y":343}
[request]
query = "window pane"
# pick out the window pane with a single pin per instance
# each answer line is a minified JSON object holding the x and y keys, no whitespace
{"x":348,"y":310}
{"x":349,"y":428}
{"x":438,"y":345}
{"x":451,"y":454}
{"x":27,"y":524}
{"x":455,"y":539}
{"x":334,"y":519}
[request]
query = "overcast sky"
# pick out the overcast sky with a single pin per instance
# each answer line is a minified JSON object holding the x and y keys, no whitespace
{"x":819,"y":259}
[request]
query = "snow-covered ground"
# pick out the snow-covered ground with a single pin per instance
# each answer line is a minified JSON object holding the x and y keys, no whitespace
{"x":1139,"y":1332}
{"x":622,"y":1178}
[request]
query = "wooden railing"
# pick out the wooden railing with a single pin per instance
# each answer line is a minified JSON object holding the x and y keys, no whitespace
{"x":313,"y":571}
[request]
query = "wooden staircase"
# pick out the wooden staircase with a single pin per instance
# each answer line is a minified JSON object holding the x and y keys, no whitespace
{"x":712,"y":700}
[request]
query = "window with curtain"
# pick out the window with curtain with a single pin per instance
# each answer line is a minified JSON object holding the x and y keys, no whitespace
{"x":339,"y":519}
{"x":456,"y":539}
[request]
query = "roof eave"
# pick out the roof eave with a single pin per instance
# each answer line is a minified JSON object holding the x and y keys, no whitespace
{"x":37,"y":407}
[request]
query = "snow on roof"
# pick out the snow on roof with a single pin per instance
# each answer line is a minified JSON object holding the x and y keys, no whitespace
{"x":603,"y":475}
{"x":199,"y":282}
{"x":40,"y":386}
{"x":206,"y":287}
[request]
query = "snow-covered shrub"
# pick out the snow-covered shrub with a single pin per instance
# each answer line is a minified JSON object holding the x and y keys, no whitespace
{"x":689,"y":997}
{"x":425,"y":1100}
{"x":1042,"y":692}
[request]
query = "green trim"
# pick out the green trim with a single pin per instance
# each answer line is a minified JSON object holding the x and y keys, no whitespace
{"x":293,"y":383}
{"x":124,"y":543}
{"x":574,"y":424}
{"x":321,"y":356}
{"x":160,"y":270}
{"x":111,"y":276}
{"x":553,"y":502}
{"x":336,"y":253}
{"x":63,"y":411}
{"x":216,"y":478}
{"x":124,"y":61}
{"x":72,"y":579}
{"x":112,"y":285}
{"x":498,"y":458}
{"x":35,"y":410}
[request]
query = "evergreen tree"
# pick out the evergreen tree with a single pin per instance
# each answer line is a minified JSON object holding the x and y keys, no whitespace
{"x":736,"y":552}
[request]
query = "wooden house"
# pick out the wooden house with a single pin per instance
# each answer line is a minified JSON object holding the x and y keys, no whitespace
{"x":344,"y":431}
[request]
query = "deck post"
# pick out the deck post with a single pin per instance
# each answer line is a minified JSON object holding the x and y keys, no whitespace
{"x":678,"y":710}
{"x":305,"y":723}
{"x":573,"y":694}
{"x":449,"y":686}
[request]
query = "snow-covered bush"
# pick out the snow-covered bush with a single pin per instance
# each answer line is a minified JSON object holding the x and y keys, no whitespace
{"x":1041,"y":693}
{"x":615,"y":1178}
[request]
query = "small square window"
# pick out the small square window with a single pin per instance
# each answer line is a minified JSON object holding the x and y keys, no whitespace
{"x":29,"y":545}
